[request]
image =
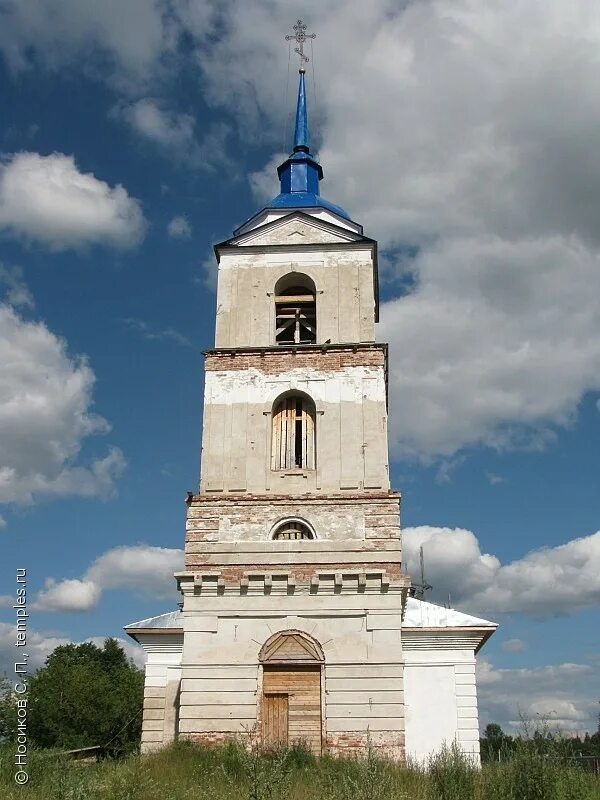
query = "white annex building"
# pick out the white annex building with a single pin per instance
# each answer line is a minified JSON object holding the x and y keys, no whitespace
{"x":297,"y":621}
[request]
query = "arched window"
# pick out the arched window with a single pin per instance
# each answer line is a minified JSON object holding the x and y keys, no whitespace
{"x":293,"y":529}
{"x":295,"y":310}
{"x":293,"y":436}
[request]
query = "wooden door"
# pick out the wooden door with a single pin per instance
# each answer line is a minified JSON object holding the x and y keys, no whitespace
{"x":275,"y":721}
{"x":301,"y":685}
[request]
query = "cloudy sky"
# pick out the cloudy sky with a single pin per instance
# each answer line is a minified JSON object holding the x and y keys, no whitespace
{"x":464,"y":136}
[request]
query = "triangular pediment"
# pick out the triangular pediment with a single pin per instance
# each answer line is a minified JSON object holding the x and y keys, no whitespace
{"x":295,"y":229}
{"x":290,"y":647}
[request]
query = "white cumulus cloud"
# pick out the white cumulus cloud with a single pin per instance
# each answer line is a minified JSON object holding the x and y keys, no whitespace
{"x":513,"y":646}
{"x":68,"y":595}
{"x":123,"y":42}
{"x":508,"y":348}
{"x":561,"y":696}
{"x":45,"y":416}
{"x":179,"y":228}
{"x":175,"y":133}
{"x":17,"y":291}
{"x":546,"y":582}
{"x":46,"y":199}
{"x":161,"y":126}
{"x":143,"y":568}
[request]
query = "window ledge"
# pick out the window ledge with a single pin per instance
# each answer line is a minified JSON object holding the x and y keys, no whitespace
{"x":288,"y":473}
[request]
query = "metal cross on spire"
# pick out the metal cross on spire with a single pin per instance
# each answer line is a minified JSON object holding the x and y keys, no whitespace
{"x":301,"y":36}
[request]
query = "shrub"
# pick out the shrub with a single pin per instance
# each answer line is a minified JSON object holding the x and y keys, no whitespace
{"x":451,"y":775}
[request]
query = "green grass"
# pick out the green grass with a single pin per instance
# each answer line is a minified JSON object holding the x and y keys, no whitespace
{"x":188,"y":772}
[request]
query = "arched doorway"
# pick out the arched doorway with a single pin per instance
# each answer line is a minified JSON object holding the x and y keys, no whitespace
{"x":292,"y":665}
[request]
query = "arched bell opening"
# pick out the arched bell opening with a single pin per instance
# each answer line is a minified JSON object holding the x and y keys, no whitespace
{"x":295,"y":310}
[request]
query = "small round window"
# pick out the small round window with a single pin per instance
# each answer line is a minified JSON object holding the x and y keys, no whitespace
{"x":293,"y":529}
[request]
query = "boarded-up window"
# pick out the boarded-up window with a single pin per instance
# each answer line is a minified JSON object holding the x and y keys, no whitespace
{"x":295,"y":316}
{"x":293,"y":529}
{"x":293,"y":444}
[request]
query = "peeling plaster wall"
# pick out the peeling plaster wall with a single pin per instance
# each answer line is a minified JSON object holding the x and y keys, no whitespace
{"x":257,"y":387}
{"x":363,"y":522}
{"x":363,"y":678}
{"x":351,"y":423}
{"x":246,"y":302}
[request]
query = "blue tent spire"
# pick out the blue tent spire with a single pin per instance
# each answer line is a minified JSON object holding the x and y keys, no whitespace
{"x":301,"y":131}
{"x":300,"y":173}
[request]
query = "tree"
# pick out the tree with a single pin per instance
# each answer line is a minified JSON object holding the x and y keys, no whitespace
{"x":494,"y":741}
{"x":84,"y":696}
{"x":8,"y":710}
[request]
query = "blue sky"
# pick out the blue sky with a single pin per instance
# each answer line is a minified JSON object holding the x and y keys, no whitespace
{"x":138,"y":134}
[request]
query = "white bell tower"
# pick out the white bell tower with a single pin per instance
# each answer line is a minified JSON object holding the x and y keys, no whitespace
{"x":296,"y":622}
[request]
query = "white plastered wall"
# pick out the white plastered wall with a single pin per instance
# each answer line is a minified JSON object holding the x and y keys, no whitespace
{"x":440,"y":694}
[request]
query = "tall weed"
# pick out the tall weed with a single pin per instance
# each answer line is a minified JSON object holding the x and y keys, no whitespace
{"x":240,"y":771}
{"x":452,"y":776}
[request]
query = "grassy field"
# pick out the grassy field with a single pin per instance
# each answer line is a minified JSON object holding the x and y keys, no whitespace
{"x":188,"y":772}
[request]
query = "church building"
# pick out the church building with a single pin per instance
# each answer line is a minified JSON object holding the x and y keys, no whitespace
{"x":297,"y":620}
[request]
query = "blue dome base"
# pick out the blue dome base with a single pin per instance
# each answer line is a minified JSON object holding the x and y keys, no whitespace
{"x":305,"y":200}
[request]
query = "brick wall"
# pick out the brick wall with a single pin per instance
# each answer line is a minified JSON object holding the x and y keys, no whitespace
{"x":277,"y":359}
{"x":366,"y":517}
{"x":384,"y":744}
